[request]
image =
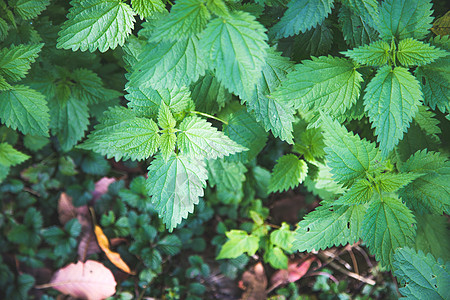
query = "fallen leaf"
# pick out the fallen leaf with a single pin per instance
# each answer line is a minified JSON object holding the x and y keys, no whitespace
{"x":101,"y":187}
{"x":254,"y":283}
{"x":113,"y":257}
{"x":90,"y":280}
{"x":67,"y":211}
{"x":88,"y":245}
{"x":296,"y":270}
{"x":442,"y":25}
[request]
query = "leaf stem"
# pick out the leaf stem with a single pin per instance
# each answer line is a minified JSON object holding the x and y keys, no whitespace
{"x":208,"y":116}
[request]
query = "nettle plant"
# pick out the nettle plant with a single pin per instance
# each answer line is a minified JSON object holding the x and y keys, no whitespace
{"x":207,"y":82}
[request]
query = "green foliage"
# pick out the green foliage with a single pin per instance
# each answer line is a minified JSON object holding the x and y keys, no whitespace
{"x":148,"y":8}
{"x":287,"y":173}
{"x":10,"y":156}
{"x":16,"y":61}
{"x":239,"y":242}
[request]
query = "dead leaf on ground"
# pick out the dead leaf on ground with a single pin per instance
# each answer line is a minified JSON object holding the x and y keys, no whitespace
{"x":101,"y":187}
{"x":67,"y":211}
{"x":90,"y":280}
{"x":442,"y":25}
{"x":254,"y":283}
{"x":296,"y":270}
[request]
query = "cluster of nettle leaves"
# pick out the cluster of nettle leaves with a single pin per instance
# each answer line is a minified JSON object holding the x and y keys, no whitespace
{"x":182,"y":69}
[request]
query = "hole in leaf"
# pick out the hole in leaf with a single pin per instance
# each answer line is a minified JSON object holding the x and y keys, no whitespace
{"x":433,"y":276}
{"x":331,"y":209}
{"x":348,"y":225}
{"x":435,"y":285}
{"x":307,"y":229}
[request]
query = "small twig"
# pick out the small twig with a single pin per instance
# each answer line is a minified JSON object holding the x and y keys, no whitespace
{"x":336,"y":257}
{"x":353,"y":275}
{"x":324,"y":274}
{"x":355,"y":264}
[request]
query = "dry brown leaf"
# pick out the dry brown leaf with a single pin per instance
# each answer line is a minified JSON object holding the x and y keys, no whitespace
{"x":90,"y":280}
{"x":442,"y":25}
{"x":296,"y":270}
{"x":254,"y":283}
{"x":101,"y":187}
{"x":67,"y":211}
{"x":113,"y":257}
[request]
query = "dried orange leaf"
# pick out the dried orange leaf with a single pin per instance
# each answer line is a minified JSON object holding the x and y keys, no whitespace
{"x":90,"y":280}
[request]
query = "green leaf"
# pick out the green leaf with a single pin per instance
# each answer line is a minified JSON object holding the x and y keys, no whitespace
{"x":333,"y":84}
{"x":391,"y":101}
{"x":96,"y":24}
{"x":388,"y":225}
{"x":148,"y":8}
{"x":35,"y":143}
{"x":199,"y":138}
{"x":288,"y":172}
{"x":167,"y":146}
{"x":123,"y":135}
{"x":429,"y":193}
{"x":309,"y":142}
{"x":367,"y":9}
{"x":360,"y":192}
{"x":426,"y":121}
{"x":314,"y":42}
{"x":175,"y":186}
{"x":412,"y":52}
{"x":402,"y":19}
{"x":301,"y":16}
{"x":276,"y":258}
{"x":16,"y":60}
{"x":165,"y":118}
{"x":245,"y":131}
{"x":275,"y":115}
{"x":29,"y":9}
{"x":348,"y":156}
{"x":70,"y":119}
{"x":146,"y":101}
{"x":209,"y":95}
{"x":169,"y":245}
{"x":10,"y":156}
{"x":228,"y":178}
{"x":89,"y":87}
{"x":329,"y":226}
{"x":421,"y":276}
{"x":168,"y":64}
{"x":391,"y":182}
{"x":187,"y":18}
{"x":433,"y":235}
{"x":236,"y":48}
{"x":283,"y":237}
{"x":374,"y":54}
{"x":239,"y":242}
{"x":25,"y":109}
{"x":4,"y":171}
{"x":355,"y":30}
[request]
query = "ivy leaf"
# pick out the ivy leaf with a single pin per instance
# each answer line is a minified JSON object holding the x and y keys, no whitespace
{"x":275,"y":115}
{"x":374,"y":54}
{"x":10,"y":156}
{"x":29,"y":9}
{"x":16,"y":60}
{"x":367,"y":9}
{"x":388,"y":225}
{"x":301,"y":16}
{"x":168,"y":64}
{"x":360,"y":192}
{"x":391,"y":101}
{"x":355,"y":30}
{"x":430,"y":192}
{"x":420,"y":275}
{"x":25,"y":109}
{"x":348,"y":156}
{"x":96,"y":24}
{"x":148,"y":8}
{"x":329,"y":226}
{"x":199,"y":138}
{"x":70,"y":119}
{"x":245,"y":131}
{"x":186,"y":18}
{"x":402,"y":19}
{"x":412,"y":52}
{"x":288,"y":172}
{"x":239,"y":242}
{"x":235,"y":47}
{"x":123,"y":135}
{"x":333,"y":84}
{"x":175,"y":186}
{"x":433,"y":235}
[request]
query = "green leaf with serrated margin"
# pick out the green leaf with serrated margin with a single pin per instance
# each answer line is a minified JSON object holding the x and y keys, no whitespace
{"x":16,"y":60}
{"x":148,"y":8}
{"x":228,"y":178}
{"x":328,"y":226}
{"x":96,"y":24}
{"x":288,"y":172}
{"x":420,"y":276}
{"x":25,"y":109}
{"x":199,"y":138}
{"x":165,"y":117}
{"x":388,"y":225}
{"x":402,"y":19}
{"x":186,"y":18}
{"x":235,"y":47}
{"x":175,"y":186}
{"x":426,"y":121}
{"x":239,"y":242}
{"x":168,"y":64}
{"x":412,"y":52}
{"x":89,"y":88}
{"x":10,"y":156}
{"x":209,"y":95}
{"x":367,"y":9}
{"x":314,"y":42}
{"x":70,"y":119}
{"x":283,"y":237}
{"x":29,"y":9}
{"x":348,"y":156}
{"x":391,"y":101}
{"x":331,"y":83}
{"x":301,"y":16}
{"x":433,"y":235}
{"x":374,"y":54}
{"x":245,"y":131}
{"x":355,"y":30}
{"x":429,"y":193}
{"x":121,"y":134}
{"x":275,"y":115}
{"x":391,"y":182}
{"x":360,"y":192}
